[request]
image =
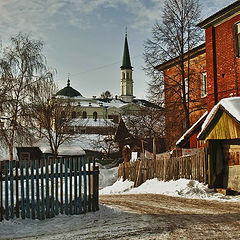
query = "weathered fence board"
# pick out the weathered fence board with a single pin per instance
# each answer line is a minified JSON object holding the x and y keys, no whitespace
{"x":44,"y":188}
{"x":165,"y":168}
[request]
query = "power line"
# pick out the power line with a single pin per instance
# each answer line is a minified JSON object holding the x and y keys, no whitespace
{"x":102,"y":67}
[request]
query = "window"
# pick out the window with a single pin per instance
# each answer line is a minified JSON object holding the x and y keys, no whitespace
{"x":123,"y":75}
{"x":62,"y":114}
{"x":95,"y":115}
{"x":84,"y":114}
{"x":83,"y":131}
{"x":25,"y":156}
{"x":74,"y":115}
{"x":127,"y":75}
{"x":186,"y":87}
{"x":204,"y":85}
{"x":238,"y":39}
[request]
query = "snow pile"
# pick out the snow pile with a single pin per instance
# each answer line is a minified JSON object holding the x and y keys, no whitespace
{"x":118,"y":187}
{"x":180,"y":188}
{"x":107,"y":176}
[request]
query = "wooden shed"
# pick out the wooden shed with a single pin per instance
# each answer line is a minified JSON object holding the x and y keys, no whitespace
{"x":221,"y":132}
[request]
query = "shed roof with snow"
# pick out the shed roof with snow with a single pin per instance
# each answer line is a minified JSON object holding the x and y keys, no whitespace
{"x":223,"y":122}
{"x":195,"y":128}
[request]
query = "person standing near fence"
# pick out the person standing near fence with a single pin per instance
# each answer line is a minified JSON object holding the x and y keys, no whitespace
{"x":126,"y":153}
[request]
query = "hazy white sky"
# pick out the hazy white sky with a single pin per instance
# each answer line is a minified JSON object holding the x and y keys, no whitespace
{"x":85,"y":37}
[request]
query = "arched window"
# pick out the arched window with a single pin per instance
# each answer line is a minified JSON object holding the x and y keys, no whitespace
{"x":62,"y":114}
{"x":95,"y":115}
{"x":74,"y":115}
{"x":127,"y":75}
{"x":123,"y":75}
{"x":84,"y":114}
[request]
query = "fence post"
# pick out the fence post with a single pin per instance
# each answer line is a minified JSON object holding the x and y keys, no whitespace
{"x":139,"y":175}
{"x":80,"y":184}
{"x":75,"y":186}
{"x":22,"y":190}
{"x":89,"y":186}
{"x":52,"y":186}
{"x":42,"y":190}
{"x":6,"y":190}
{"x":11,"y":189}
{"x":47,"y":188}
{"x":56,"y":186}
{"x":32,"y":190}
{"x":70,"y":188}
{"x":37,"y":191}
{"x":66,"y":185}
{"x":97,"y":188}
{"x":94,"y":190}
{"x":61,"y":185}
{"x":85,"y":186}
{"x":17,"y":188}
{"x":164,"y":169}
{"x":1,"y":193}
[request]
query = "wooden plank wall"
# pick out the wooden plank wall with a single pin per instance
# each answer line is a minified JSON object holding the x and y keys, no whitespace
{"x":40,"y":189}
{"x":165,"y":169}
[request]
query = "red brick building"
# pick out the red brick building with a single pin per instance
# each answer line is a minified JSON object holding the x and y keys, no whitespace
{"x":222,"y":31}
{"x":219,"y":66}
{"x":174,"y":114}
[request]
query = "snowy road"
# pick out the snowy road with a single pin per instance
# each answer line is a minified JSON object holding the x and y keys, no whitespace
{"x":144,"y":216}
{"x":179,"y":218}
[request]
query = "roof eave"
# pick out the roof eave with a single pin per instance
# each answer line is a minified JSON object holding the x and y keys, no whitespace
{"x":172,"y":62}
{"x":220,"y":15}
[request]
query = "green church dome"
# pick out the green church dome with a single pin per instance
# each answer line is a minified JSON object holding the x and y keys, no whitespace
{"x":69,"y":91}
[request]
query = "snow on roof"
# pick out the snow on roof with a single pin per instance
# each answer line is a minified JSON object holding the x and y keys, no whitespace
{"x":94,"y":142}
{"x":66,"y":97}
{"x":68,"y":148}
{"x":230,"y":105}
{"x":92,"y":122}
{"x":191,"y":128}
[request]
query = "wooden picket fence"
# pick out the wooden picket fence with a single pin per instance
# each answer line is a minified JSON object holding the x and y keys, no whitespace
{"x":165,"y":168}
{"x":40,"y":189}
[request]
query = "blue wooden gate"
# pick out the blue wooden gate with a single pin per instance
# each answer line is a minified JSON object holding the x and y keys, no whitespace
{"x":40,"y":189}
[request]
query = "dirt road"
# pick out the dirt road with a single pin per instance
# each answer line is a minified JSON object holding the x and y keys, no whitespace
{"x":135,"y":217}
{"x":179,"y":218}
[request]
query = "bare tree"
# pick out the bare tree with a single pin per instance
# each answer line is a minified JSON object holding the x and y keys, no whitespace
{"x":53,"y":117}
{"x":22,"y":69}
{"x":175,"y":36}
{"x":105,"y":95}
{"x":147,"y":122}
{"x":104,"y":144}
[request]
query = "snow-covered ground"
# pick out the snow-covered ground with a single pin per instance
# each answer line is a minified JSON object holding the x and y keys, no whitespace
{"x":180,"y":188}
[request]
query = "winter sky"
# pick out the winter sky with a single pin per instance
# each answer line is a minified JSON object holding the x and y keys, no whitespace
{"x":85,"y":37}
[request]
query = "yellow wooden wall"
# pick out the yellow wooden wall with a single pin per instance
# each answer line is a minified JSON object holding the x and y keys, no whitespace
{"x":225,"y":128}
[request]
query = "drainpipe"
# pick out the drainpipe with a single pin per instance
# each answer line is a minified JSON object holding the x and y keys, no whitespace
{"x":214,"y":66}
{"x":235,"y":56}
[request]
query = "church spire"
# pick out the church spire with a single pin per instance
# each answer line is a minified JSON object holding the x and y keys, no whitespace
{"x":126,"y":62}
{"x":126,"y":84}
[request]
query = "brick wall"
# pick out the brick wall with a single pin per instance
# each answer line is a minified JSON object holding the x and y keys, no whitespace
{"x":175,"y":125}
{"x":227,"y":65}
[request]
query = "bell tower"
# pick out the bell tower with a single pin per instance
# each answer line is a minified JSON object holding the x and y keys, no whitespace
{"x":126,"y":75}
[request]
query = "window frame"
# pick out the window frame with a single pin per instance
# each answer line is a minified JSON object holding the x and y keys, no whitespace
{"x":204,"y":85}
{"x":237,"y":38}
